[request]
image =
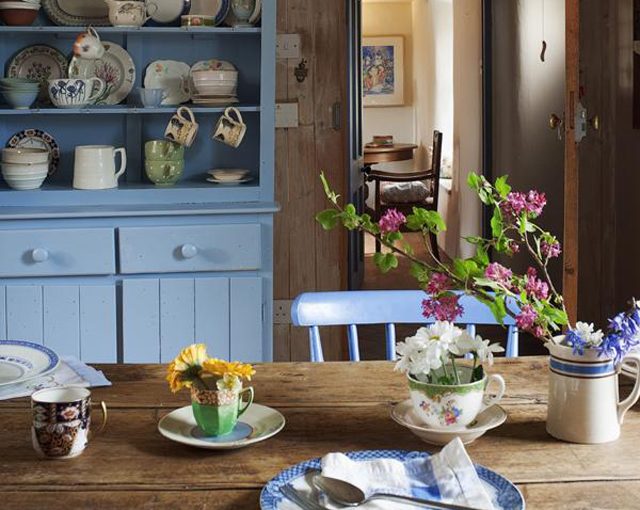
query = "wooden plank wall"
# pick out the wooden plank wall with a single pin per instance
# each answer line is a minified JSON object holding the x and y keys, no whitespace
{"x":307,"y":258}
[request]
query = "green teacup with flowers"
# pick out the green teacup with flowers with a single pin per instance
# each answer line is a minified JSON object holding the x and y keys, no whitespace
{"x":445,"y":392}
{"x":217,"y":395}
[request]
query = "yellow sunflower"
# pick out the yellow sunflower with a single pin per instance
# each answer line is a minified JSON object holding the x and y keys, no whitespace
{"x":221,"y":368}
{"x":186,"y":368}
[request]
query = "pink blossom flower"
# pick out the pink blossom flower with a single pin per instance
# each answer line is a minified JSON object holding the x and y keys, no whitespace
{"x":499,"y":274}
{"x":535,"y":203}
{"x":445,"y":308}
{"x":514,"y":205}
{"x":514,"y":247}
{"x":534,"y":286}
{"x":550,"y":250}
{"x":527,"y":318}
{"x":391,"y":221}
{"x":538,"y":331}
{"x":438,"y":283}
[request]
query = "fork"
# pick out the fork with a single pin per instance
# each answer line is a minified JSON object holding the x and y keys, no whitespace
{"x":302,"y":501}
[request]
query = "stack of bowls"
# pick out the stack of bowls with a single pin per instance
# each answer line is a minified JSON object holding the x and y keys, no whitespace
{"x":19,"y":13}
{"x":215,"y":84}
{"x":164,"y":162}
{"x":25,"y":168}
{"x":19,"y":93}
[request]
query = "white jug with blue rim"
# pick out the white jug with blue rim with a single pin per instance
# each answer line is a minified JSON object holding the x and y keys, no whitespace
{"x":584,"y":402}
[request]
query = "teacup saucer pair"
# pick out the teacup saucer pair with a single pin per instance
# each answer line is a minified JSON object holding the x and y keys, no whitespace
{"x":257,"y":424}
{"x":404,"y":414}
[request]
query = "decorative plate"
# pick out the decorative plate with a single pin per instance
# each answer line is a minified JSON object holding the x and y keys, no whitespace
{"x":116,"y":68}
{"x":37,"y":139}
{"x":171,"y":76}
{"x":256,"y":424}
{"x":215,"y":101}
{"x":21,"y":361}
{"x":504,"y":494}
{"x":213,"y":180}
{"x":39,"y":62}
{"x":490,"y":418}
{"x":257,"y":13}
{"x":80,"y":13}
{"x":170,"y":10}
{"x":217,"y":8}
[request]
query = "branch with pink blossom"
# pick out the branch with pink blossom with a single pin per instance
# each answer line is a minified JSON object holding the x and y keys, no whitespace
{"x":531,"y":298}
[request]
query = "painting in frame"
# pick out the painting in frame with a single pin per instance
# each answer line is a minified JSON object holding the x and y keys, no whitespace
{"x":383,"y":71}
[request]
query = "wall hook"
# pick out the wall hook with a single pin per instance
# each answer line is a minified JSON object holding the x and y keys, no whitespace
{"x":301,"y":71}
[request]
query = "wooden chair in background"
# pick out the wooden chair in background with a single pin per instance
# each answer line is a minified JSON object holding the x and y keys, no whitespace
{"x":430,"y":177}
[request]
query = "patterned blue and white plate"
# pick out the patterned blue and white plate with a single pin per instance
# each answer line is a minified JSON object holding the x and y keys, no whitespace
{"x":21,"y":361}
{"x":504,"y":494}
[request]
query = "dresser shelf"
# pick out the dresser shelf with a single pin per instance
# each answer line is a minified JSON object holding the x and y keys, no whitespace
{"x":126,"y":110}
{"x":134,"y":30}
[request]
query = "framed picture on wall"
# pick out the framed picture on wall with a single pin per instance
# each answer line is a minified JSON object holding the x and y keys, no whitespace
{"x":383,"y":71}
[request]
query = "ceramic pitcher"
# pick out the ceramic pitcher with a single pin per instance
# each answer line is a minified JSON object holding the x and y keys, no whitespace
{"x":584,"y":405}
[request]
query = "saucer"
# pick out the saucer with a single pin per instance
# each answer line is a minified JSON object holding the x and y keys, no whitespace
{"x":488,"y":419}
{"x":229,"y":183}
{"x":256,"y":424}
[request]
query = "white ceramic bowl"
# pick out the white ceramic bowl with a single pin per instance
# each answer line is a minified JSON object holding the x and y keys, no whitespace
{"x":24,"y":183}
{"x":20,"y":168}
{"x":229,"y":175}
{"x":25,"y":155}
{"x":217,"y":75}
{"x":227,"y":90}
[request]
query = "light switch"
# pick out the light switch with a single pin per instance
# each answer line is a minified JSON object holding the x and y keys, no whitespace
{"x":288,"y":46}
{"x":287,"y":115}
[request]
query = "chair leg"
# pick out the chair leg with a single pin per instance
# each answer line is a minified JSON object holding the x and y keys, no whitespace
{"x":434,"y":246}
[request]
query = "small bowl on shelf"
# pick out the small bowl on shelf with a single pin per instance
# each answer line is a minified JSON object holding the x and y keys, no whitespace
{"x":18,"y":13}
{"x":164,"y":173}
{"x":25,"y":156}
{"x":229,"y":174}
{"x":197,"y":20}
{"x":215,"y":75}
{"x":24,"y":176}
{"x":20,"y":99}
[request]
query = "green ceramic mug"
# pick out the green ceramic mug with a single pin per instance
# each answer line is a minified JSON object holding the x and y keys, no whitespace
{"x":163,"y":150}
{"x":217,"y":411}
{"x":164,"y":173}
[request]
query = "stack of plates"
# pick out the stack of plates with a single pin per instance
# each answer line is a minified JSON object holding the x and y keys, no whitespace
{"x":21,"y":361}
{"x":229,"y":176}
{"x":214,"y":82}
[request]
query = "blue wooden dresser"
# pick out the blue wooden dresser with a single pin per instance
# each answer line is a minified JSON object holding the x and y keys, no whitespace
{"x":136,"y":273}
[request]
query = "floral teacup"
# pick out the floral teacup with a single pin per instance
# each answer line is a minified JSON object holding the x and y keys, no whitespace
{"x":442,"y":406}
{"x":61,"y":421}
{"x":75,"y":92}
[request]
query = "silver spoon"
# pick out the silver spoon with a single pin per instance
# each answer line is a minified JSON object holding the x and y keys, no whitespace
{"x":347,"y":494}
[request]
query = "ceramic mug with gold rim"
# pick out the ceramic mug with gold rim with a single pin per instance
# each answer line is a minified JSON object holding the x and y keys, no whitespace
{"x":62,"y":420}
{"x":181,"y":129}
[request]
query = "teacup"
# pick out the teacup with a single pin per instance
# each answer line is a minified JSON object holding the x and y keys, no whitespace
{"x":163,"y":150}
{"x":151,"y":98}
{"x":180,"y":129}
{"x":229,"y":130}
{"x":61,"y":421}
{"x":217,"y":411}
{"x":130,"y":13}
{"x":75,"y":92}
{"x":452,"y":407}
{"x":164,"y":173}
{"x":88,"y":45}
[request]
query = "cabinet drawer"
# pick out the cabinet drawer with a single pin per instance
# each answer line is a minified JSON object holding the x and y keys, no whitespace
{"x":190,"y":248}
{"x":60,"y":252}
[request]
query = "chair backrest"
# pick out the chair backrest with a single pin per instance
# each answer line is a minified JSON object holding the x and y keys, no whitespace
{"x":436,"y":166}
{"x":388,"y":307}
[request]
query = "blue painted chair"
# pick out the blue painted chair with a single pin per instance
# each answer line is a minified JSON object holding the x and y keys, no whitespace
{"x":388,"y":307}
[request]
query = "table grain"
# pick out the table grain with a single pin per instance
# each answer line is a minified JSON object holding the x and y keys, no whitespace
{"x":328,"y":407}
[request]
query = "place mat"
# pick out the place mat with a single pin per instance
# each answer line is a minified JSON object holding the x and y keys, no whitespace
{"x":71,"y":371}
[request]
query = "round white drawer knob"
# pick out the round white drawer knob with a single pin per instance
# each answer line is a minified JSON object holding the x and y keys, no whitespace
{"x":39,"y":255}
{"x":188,"y":251}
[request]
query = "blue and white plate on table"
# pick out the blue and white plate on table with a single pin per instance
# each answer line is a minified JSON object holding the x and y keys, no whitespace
{"x":257,"y":424}
{"x":21,"y":361}
{"x":504,"y":495}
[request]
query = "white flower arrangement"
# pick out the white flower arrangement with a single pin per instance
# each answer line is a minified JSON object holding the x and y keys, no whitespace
{"x":430,"y":355}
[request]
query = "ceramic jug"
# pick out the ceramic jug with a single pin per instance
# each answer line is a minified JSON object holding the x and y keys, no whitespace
{"x":130,"y":13}
{"x":95,"y":166}
{"x":584,"y":405}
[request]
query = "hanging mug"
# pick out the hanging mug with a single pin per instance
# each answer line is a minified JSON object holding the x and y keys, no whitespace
{"x":88,"y":45}
{"x":181,"y":129}
{"x":229,"y":130}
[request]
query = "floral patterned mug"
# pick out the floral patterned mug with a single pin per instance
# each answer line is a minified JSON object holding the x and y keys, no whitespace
{"x":453,"y":407}
{"x":61,"y":421}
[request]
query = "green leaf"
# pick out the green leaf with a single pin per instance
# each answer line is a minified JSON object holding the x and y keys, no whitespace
{"x":420,"y":273}
{"x":331,"y":195}
{"x":486,"y":282}
{"x":328,"y":218}
{"x":502,"y":187}
{"x":556,"y":315}
{"x":423,"y":219}
{"x":474,"y":181}
{"x":392,"y":237}
{"x":497,"y":307}
{"x":482,"y":255}
{"x":497,"y":225}
{"x":386,"y":261}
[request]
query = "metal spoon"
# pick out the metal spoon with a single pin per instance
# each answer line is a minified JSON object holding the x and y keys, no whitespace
{"x":347,"y":494}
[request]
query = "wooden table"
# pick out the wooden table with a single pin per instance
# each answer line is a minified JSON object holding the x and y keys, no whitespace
{"x":389,"y":153}
{"x":328,"y":407}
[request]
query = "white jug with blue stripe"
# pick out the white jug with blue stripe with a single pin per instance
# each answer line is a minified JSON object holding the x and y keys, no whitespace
{"x":584,"y":404}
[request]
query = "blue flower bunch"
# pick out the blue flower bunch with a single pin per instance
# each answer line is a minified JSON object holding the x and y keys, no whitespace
{"x":623,"y":334}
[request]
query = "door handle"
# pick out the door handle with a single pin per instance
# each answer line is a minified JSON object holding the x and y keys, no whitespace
{"x":556,"y":123}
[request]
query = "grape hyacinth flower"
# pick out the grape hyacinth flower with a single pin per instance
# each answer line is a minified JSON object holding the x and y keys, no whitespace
{"x":391,"y":221}
{"x":499,"y":274}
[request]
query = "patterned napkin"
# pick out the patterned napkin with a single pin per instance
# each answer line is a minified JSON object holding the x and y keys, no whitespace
{"x":447,"y":476}
{"x":70,"y":371}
